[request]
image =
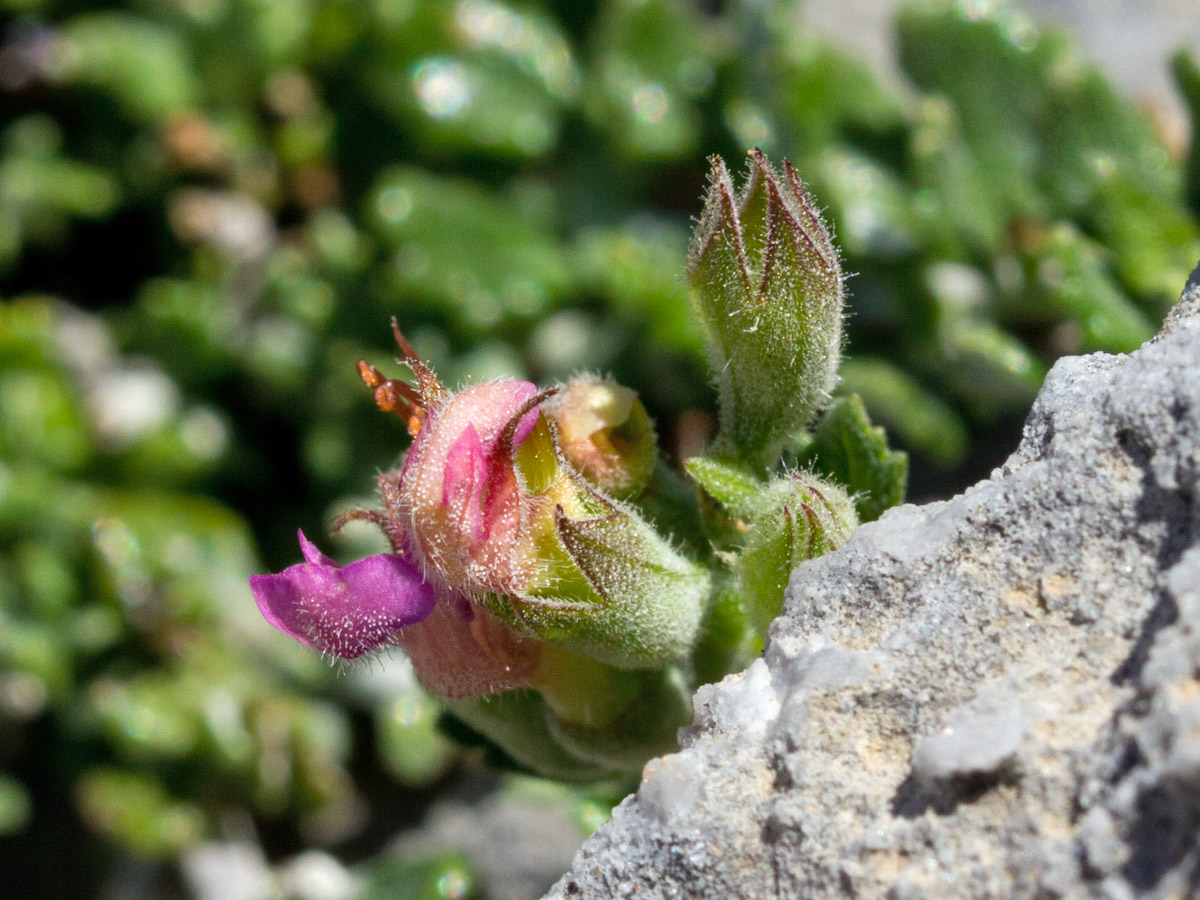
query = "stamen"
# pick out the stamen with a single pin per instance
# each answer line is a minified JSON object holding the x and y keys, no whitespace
{"x":394,"y":396}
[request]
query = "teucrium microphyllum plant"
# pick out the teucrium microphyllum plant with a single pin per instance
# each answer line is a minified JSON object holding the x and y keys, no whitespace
{"x":550,"y":577}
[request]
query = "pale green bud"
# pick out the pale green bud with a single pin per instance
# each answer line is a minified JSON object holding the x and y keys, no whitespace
{"x":640,"y":714}
{"x":516,"y":721}
{"x":767,"y":287}
{"x":801,"y":518}
{"x":647,"y":727}
{"x":604,"y":583}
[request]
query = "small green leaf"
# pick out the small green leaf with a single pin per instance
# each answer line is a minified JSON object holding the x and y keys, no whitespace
{"x":988,"y":368}
{"x":847,"y":448}
{"x":1185,"y":66}
{"x":730,"y":485}
{"x":921,"y":419}
{"x":728,"y":642}
{"x":15,"y":805}
{"x":399,"y":876}
{"x":1073,"y":280}
{"x":135,"y":810}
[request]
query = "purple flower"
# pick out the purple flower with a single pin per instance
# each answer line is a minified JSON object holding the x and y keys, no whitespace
{"x":344,"y":611}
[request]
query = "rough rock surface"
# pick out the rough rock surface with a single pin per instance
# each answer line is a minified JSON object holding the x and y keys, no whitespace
{"x":994,"y":696}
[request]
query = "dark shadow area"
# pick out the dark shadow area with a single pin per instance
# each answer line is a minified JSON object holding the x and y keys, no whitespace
{"x":913,"y":797}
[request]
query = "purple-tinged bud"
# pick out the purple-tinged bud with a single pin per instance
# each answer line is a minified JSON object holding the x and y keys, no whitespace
{"x":460,"y":495}
{"x":344,"y":611}
{"x":604,"y":432}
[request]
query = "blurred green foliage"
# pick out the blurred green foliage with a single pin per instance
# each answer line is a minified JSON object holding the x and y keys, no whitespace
{"x":209,"y":210}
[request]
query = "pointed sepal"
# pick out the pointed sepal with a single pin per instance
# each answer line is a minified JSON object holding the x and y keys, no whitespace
{"x":737,"y":490}
{"x":605,"y":584}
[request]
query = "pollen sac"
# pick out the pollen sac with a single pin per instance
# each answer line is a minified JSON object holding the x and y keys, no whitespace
{"x":767,"y":287}
{"x":604,"y":432}
{"x":801,"y":518}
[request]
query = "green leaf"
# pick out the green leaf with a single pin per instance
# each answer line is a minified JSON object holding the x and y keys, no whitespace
{"x":15,"y":805}
{"x":458,"y":77}
{"x":463,"y":252}
{"x":136,"y":810}
{"x":848,"y":449}
{"x":652,"y":60}
{"x":1185,"y":66}
{"x":730,"y":485}
{"x":1070,"y":278}
{"x":988,"y":368}
{"x":1047,"y":129}
{"x":922,"y":420}
{"x":400,"y":876}
{"x":146,"y":66}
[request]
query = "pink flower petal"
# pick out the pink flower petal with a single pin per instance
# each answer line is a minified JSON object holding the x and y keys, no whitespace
{"x":460,"y":655}
{"x":348,"y":611}
{"x":459,"y":491}
{"x":311,"y":553}
{"x":529,"y":420}
{"x":462,"y":481}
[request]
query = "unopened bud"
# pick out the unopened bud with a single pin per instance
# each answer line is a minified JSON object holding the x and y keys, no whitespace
{"x":767,"y":287}
{"x":802,"y":518}
{"x":605,"y":584}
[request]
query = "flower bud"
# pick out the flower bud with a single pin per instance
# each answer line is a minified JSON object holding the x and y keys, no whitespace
{"x":640,"y":714}
{"x":647,"y":725}
{"x":513,"y":575}
{"x":767,"y":287}
{"x":460,"y":496}
{"x":802,"y":517}
{"x":488,"y":506}
{"x":604,"y":432}
{"x":517,"y":722}
{"x":605,"y":584}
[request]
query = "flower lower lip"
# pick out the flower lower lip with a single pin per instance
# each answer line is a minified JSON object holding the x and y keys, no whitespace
{"x":344,"y":611}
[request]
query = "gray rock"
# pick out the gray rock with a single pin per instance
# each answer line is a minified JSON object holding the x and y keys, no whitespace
{"x":994,"y":696}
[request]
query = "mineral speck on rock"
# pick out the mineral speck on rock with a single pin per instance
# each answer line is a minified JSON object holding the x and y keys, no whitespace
{"x":994,"y":696}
